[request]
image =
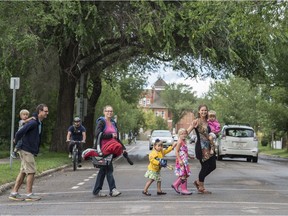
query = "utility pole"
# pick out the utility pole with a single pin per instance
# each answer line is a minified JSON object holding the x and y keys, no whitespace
{"x":14,"y":84}
{"x":81,"y":102}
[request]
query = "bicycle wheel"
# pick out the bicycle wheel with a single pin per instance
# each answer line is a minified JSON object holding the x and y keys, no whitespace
{"x":75,"y":158}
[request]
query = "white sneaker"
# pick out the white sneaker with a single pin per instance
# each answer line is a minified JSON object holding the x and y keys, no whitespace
{"x":115,"y":193}
{"x":32,"y":197}
{"x":16,"y":196}
{"x":70,"y":155}
{"x":101,"y":194}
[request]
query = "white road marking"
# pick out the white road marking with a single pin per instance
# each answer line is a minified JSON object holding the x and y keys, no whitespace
{"x":81,"y":183}
{"x":93,"y":175}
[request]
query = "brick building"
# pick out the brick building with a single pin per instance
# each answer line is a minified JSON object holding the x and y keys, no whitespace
{"x":151,"y":100}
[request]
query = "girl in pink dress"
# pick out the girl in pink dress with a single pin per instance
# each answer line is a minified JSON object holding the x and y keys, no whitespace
{"x":182,"y":169}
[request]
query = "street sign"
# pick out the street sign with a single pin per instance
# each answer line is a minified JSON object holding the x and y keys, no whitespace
{"x":14,"y":83}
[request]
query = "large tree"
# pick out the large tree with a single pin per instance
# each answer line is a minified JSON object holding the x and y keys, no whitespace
{"x":235,"y":101}
{"x":198,"y":38}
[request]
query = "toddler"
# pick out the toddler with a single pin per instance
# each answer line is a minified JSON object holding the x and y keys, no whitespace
{"x":182,"y":169}
{"x":155,"y":165}
{"x":24,"y":114}
{"x":215,"y":129}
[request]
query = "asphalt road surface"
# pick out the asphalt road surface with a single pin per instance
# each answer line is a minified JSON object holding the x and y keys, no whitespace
{"x":238,"y":188}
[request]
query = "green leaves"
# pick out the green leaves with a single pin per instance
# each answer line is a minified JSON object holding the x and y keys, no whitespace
{"x":179,"y":99}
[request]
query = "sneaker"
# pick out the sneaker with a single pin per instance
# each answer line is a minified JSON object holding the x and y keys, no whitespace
{"x":14,"y":155}
{"x":32,"y":197}
{"x":115,"y":193}
{"x":16,"y":197}
{"x":101,"y":194}
{"x":70,"y":155}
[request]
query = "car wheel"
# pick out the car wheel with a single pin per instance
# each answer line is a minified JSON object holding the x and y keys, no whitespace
{"x":248,"y":159}
{"x":219,"y":157}
{"x":255,"y":159}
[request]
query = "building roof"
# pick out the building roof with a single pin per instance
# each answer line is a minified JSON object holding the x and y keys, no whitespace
{"x":159,"y":84}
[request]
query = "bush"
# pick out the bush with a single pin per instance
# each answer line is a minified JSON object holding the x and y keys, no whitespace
{"x":264,"y":142}
{"x":4,"y":148}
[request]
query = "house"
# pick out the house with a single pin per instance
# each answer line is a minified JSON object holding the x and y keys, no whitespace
{"x":151,"y":100}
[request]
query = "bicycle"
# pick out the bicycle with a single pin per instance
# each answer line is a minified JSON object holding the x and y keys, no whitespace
{"x":132,"y":140}
{"x":75,"y":153}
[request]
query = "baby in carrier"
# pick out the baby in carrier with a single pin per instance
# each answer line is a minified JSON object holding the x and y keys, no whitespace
{"x":107,"y":142}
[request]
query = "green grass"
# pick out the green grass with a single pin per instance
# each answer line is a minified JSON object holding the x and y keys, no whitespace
{"x":275,"y":152}
{"x":44,"y":161}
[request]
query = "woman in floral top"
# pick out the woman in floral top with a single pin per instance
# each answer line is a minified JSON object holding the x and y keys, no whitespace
{"x":202,"y":148}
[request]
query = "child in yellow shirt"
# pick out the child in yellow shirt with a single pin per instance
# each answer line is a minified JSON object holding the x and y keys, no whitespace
{"x":155,"y":165}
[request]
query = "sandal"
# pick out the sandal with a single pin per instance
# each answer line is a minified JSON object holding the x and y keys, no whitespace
{"x":161,"y":193}
{"x":196,"y":184}
{"x":146,"y":193}
{"x":203,"y":191}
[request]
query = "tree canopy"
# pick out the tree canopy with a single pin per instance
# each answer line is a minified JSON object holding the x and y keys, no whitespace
{"x":198,"y":38}
{"x":179,"y":99}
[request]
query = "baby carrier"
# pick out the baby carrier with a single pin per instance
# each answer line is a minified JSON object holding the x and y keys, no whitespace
{"x":103,"y":155}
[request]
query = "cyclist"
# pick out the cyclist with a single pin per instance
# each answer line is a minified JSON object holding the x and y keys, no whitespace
{"x":130,"y":137}
{"x":76,"y":132}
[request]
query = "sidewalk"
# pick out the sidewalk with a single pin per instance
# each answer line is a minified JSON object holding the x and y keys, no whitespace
{"x":6,"y":160}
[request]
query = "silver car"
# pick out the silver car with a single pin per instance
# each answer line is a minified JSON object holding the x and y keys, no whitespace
{"x":164,"y":135}
{"x":237,"y":141}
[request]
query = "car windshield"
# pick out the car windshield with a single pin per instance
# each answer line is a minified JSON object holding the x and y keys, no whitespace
{"x":239,"y":132}
{"x":161,"y":134}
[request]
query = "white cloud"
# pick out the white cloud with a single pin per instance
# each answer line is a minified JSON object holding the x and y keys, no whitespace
{"x":170,"y":76}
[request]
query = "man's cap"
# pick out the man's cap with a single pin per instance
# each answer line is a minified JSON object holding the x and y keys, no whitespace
{"x":77,"y":119}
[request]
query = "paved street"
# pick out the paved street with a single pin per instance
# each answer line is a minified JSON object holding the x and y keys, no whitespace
{"x":239,"y":188}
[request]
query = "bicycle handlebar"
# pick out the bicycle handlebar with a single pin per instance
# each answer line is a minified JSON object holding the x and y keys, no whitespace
{"x":75,"y":142}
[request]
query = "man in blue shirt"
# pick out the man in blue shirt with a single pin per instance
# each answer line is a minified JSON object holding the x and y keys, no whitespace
{"x":76,"y":132}
{"x":30,"y":134}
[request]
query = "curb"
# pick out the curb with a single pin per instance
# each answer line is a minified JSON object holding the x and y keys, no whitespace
{"x":9,"y":185}
{"x":272,"y":157}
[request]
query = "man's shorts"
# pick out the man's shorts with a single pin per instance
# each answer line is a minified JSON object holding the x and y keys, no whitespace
{"x":28,"y":164}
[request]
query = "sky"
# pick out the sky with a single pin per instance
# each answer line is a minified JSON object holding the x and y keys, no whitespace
{"x":170,"y":76}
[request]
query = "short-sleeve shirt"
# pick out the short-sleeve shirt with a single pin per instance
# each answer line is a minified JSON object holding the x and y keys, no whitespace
{"x":76,"y":132}
{"x":21,"y":124}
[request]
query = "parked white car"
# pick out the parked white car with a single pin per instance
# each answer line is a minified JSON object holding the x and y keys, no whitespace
{"x":237,"y":141}
{"x":164,"y":135}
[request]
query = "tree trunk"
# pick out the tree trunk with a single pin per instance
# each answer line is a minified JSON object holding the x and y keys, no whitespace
{"x":89,"y":119}
{"x":66,"y":96}
{"x":65,"y":110}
